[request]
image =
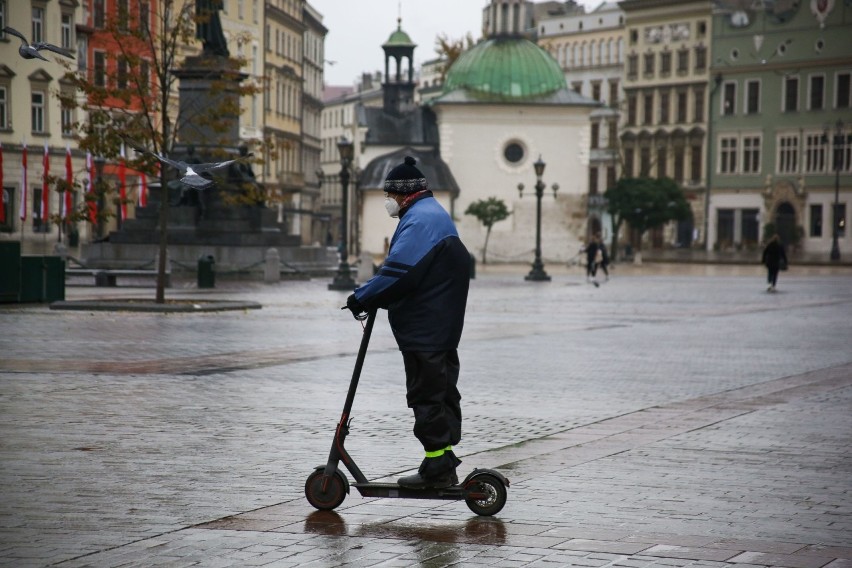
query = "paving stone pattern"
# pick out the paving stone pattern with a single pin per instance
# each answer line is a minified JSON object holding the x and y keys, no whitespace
{"x":663,"y":419}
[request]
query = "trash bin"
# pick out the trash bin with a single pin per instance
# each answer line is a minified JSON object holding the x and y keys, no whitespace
{"x":42,"y":279}
{"x":10,"y":274}
{"x":206,"y":275}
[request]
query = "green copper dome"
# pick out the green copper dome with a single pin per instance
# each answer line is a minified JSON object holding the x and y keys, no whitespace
{"x":505,"y":68}
{"x":399,"y":38}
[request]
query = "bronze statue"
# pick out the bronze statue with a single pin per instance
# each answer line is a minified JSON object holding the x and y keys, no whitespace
{"x":208,"y":27}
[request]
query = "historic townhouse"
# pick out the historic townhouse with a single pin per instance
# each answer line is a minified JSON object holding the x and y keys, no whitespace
{"x":242,"y":24}
{"x":667,"y":51}
{"x":590,"y":50}
{"x":782,"y":119}
{"x":312,"y":229}
{"x":282,"y":173}
{"x":31,"y":115}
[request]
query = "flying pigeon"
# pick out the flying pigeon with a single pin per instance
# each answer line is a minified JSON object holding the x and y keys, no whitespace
{"x":31,"y":51}
{"x":191,"y":173}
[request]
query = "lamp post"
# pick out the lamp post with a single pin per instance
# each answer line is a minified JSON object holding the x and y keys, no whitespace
{"x":99,"y":162}
{"x":839,"y":142}
{"x":343,"y":278}
{"x":537,"y":273}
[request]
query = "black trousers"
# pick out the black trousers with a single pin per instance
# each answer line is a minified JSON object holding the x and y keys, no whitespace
{"x":431,"y":378}
{"x":772,"y":275}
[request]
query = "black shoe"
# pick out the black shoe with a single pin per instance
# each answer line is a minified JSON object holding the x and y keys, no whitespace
{"x":417,"y":481}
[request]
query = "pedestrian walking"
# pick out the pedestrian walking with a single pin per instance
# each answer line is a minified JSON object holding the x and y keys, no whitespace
{"x":423,"y":284}
{"x":775,"y":259}
{"x":604,"y":256}
{"x":592,"y":259}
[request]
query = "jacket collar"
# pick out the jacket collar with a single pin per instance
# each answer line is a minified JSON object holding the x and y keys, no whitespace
{"x":414,"y":199}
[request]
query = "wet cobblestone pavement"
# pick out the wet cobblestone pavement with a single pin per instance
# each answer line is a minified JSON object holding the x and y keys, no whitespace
{"x":675,"y":416}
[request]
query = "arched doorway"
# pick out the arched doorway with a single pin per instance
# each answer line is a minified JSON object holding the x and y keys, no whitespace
{"x":785,"y":223}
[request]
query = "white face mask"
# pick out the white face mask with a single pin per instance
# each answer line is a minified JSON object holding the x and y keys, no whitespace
{"x":392,"y":206}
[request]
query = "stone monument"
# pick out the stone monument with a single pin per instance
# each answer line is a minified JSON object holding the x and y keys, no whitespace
{"x":227,"y":221}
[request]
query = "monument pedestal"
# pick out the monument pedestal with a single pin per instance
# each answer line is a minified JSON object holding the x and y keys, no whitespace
{"x":226,"y":220}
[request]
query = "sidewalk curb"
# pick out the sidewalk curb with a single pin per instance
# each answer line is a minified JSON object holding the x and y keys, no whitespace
{"x":145,"y":305}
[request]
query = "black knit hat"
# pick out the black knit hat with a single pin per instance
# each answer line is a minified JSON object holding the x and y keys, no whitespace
{"x":405,"y":178}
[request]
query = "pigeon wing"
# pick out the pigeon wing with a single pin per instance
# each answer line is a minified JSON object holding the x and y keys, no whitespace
{"x":217,"y":165}
{"x":175,"y":164}
{"x":54,"y":49}
{"x":15,"y":32}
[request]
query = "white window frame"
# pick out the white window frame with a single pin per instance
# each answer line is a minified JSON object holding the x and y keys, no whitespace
{"x":2,"y":18}
{"x":789,"y":158}
{"x":728,"y":152}
{"x":837,"y":89}
{"x":67,"y":120}
{"x":747,"y":91}
{"x":811,"y":78}
{"x":67,"y":30}
{"x":4,"y":107}
{"x":83,"y":53}
{"x":37,"y":30}
{"x":38,"y":112}
{"x":784,"y":82}
{"x":816,"y":158}
{"x":752,"y":153}
{"x":723,"y":99}
{"x":95,"y":54}
{"x":845,"y":154}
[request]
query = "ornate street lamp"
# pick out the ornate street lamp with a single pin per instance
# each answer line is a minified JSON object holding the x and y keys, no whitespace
{"x":343,"y":278}
{"x":537,"y":273}
{"x":839,"y":143}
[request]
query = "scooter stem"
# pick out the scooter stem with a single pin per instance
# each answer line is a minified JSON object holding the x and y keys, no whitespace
{"x":338,"y":451}
{"x":359,"y":362}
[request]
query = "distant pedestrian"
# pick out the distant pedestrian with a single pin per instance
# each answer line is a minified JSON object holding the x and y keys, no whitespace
{"x":603,"y":255}
{"x":592,"y":258}
{"x":775,"y":259}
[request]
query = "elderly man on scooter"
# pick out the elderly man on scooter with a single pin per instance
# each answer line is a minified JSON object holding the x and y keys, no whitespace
{"x":423,"y":284}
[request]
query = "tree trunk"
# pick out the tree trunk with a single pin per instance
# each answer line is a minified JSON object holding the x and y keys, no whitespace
{"x":485,"y":246}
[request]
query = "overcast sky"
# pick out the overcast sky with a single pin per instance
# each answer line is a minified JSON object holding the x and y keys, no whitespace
{"x":358,"y":28}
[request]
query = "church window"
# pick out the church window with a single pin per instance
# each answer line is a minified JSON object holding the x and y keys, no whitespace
{"x":513,"y":152}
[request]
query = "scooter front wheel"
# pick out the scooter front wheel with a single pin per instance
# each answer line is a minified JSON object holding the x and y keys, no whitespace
{"x":490,"y":495}
{"x":324,"y":492}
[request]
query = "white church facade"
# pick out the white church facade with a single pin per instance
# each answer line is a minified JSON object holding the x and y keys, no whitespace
{"x":504,"y":104}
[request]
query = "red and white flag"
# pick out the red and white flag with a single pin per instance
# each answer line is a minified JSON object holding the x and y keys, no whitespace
{"x":69,"y":177}
{"x":2,"y":190}
{"x":45,"y":188}
{"x":122,"y":180}
{"x":90,"y":183}
{"x":143,"y":191}
{"x":22,"y":204}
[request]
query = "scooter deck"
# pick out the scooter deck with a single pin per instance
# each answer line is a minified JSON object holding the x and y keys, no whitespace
{"x":452,"y":493}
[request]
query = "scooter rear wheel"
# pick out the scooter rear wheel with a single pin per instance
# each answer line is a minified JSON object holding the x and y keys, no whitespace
{"x":495,"y":495}
{"x":326,"y":493}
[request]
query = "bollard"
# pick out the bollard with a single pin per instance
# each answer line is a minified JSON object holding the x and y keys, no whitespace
{"x":272,"y":266}
{"x":206,"y":275}
{"x":472,"y":266}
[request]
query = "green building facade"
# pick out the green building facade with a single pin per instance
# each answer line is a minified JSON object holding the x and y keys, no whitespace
{"x":781,"y":126}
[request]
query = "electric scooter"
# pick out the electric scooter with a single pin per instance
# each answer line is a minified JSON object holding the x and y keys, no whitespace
{"x":483,"y":490}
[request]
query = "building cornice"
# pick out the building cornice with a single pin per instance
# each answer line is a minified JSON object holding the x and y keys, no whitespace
{"x":639,"y":5}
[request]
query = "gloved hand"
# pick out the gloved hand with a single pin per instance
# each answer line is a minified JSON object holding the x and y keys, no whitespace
{"x":356,"y":307}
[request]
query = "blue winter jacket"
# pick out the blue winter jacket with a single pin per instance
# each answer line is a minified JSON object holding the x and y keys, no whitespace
{"x":423,"y":283}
